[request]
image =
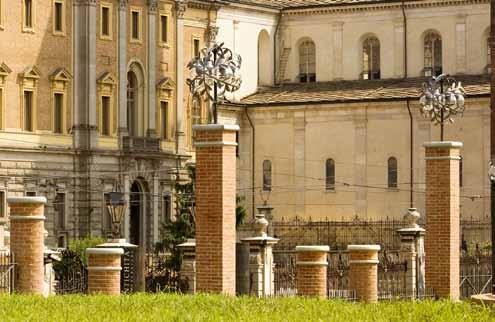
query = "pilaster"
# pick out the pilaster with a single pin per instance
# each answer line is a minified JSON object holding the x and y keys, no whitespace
{"x":152,"y":16}
{"x":122,"y":58}
{"x":180,"y":8}
{"x":460,"y":44}
{"x":338,"y":47}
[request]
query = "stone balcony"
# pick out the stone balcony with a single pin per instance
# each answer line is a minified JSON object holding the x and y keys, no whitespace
{"x":140,"y":144}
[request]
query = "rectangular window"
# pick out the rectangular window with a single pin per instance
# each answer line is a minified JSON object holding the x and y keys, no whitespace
{"x":58,"y":17}
{"x":105,"y":115}
{"x":167,"y":208}
{"x":196,"y":47}
{"x":28,"y":111}
{"x":28,"y":14}
{"x":135,"y":25}
{"x":164,"y":119}
{"x":107,"y":221}
{"x":105,"y":22}
{"x":59,"y":207}
{"x":2,"y":204}
{"x":58,"y":113}
{"x":164,"y":29}
{"x":30,"y":193}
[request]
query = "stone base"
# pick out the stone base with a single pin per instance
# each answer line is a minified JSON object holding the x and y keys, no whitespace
{"x":484,"y":299}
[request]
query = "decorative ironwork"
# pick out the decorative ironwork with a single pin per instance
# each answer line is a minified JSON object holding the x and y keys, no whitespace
{"x":442,"y":99}
{"x":72,"y":281}
{"x":476,"y":272}
{"x":160,"y":277}
{"x":7,"y":270}
{"x":213,"y":73}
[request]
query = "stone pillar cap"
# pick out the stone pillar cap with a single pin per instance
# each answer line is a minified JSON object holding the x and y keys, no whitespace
{"x":216,"y":127}
{"x":314,"y":248}
{"x":363,"y":248}
{"x":443,"y":144}
{"x":105,"y":251}
{"x":20,"y":200}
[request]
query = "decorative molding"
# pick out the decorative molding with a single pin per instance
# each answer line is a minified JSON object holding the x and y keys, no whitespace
{"x":152,"y":6}
{"x":26,"y":218}
{"x":123,"y":4}
{"x":211,"y":33}
{"x":24,"y":200}
{"x":31,"y":72}
{"x":180,"y":8}
{"x":165,"y":87}
{"x":4,"y":72}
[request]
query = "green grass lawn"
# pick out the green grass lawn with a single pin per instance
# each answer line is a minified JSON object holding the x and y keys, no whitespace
{"x":217,"y":308}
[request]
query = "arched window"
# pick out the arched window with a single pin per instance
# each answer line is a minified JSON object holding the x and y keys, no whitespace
{"x":196,"y":110}
{"x":371,"y":58}
{"x":330,"y":175}
{"x":132,"y":103}
{"x":307,"y":62}
{"x":433,"y":54}
{"x":392,"y":172}
{"x":264,"y":57}
{"x":267,"y":175}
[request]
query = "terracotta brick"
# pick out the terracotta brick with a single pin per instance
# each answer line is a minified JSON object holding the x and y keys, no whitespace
{"x":363,"y":271}
{"x":215,"y":211}
{"x":104,"y":269}
{"x":442,"y":240}
{"x":312,"y":271}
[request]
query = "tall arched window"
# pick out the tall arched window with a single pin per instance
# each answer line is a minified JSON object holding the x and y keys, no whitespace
{"x":132,"y":103}
{"x":371,"y":58}
{"x":264,"y":56}
{"x":307,"y":62}
{"x":433,"y":54}
{"x":267,"y":175}
{"x":392,"y":172}
{"x":330,"y":175}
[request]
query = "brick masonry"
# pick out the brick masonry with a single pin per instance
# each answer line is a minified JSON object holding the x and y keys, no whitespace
{"x":363,"y":271}
{"x":215,"y":208}
{"x":442,"y":218}
{"x":104,"y":269}
{"x":27,"y":242}
{"x":312,"y":271}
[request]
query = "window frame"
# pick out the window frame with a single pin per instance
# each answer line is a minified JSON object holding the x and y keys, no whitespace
{"x":167,"y":29}
{"x":32,"y":113}
{"x":307,"y":76}
{"x":329,"y":179}
{"x":25,"y":27}
{"x":367,"y":72}
{"x":165,"y":218}
{"x":62,"y":22}
{"x":267,"y":185}
{"x":63,"y":112}
{"x":139,"y":11}
{"x":195,"y":40}
{"x":2,"y":17}
{"x":164,"y":135}
{"x":435,"y":36}
{"x":110,"y":115}
{"x":391,"y":183}
{"x":109,"y":6}
{"x":3,"y":205}
{"x":61,"y":227}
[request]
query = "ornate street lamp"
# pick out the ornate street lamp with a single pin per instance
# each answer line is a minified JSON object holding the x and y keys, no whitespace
{"x":213,"y":73}
{"x":116,"y":206}
{"x":442,"y":98}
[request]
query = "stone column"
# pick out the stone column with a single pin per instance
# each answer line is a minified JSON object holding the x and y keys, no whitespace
{"x":152,"y":10}
{"x":261,"y":276}
{"x":363,"y":271}
{"x":122,"y":52}
{"x":27,"y":242}
{"x":180,"y":8}
{"x":188,"y":265}
{"x":311,"y":270}
{"x":104,"y":268}
{"x":215,"y":207}
{"x":409,"y":236}
{"x":442,"y":218}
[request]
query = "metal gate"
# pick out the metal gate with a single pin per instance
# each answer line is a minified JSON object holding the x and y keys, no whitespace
{"x":476,"y":274}
{"x":7,"y":271}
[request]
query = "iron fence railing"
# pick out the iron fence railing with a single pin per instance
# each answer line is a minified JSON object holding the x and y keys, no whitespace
{"x":7,"y":271}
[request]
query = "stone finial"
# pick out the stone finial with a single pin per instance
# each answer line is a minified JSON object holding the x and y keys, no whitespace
{"x":411,"y":217}
{"x":259,"y":225}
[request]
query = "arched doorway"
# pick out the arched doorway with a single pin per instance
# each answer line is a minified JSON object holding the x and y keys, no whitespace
{"x":135,"y":213}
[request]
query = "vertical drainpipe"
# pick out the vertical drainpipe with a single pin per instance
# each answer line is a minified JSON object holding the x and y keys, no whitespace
{"x":253,"y":137}
{"x":411,"y":128}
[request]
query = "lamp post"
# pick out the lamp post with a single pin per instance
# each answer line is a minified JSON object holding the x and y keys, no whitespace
{"x":116,"y":206}
{"x":213,"y":73}
{"x":442,"y":98}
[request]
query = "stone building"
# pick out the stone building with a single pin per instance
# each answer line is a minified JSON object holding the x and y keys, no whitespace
{"x":329,"y":111}
{"x":89,"y":103}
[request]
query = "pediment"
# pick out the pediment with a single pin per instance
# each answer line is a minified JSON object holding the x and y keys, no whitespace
{"x":61,"y":74}
{"x":4,"y":69}
{"x":31,"y":72}
{"x":166,"y":84}
{"x":107,"y":78}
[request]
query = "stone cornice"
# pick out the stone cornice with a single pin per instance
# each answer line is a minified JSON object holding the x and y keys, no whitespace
{"x":377,"y":7}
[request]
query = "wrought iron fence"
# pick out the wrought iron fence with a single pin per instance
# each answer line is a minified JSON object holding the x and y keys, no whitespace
{"x":476,"y":274}
{"x":72,"y":281}
{"x":7,"y":270}
{"x":160,"y":277}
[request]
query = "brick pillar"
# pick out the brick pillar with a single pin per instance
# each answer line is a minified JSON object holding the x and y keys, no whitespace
{"x":311,"y":263}
{"x":27,"y":242}
{"x":215,"y":207}
{"x":442,"y":218}
{"x":363,"y":271}
{"x":104,"y":268}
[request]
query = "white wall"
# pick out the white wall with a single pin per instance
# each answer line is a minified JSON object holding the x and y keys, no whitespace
{"x":239,"y":29}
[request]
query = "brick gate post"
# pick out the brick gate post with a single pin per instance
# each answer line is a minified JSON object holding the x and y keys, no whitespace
{"x":363,"y":271}
{"x":215,"y":207}
{"x":442,"y":218}
{"x":311,"y":264}
{"x":27,"y":242}
{"x":104,"y":269}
